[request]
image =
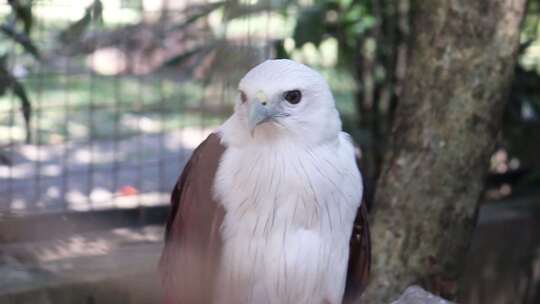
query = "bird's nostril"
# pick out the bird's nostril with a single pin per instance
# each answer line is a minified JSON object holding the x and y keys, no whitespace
{"x":263,"y":103}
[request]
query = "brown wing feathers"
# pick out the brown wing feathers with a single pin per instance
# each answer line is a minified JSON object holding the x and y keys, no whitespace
{"x":191,"y":254}
{"x":193,"y":244}
{"x":359,"y":257}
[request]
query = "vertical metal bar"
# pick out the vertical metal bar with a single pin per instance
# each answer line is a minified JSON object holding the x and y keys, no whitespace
{"x":116,"y":114}
{"x":68,"y":140}
{"x":248,"y":27}
{"x":181,"y":125}
{"x":268,"y":43}
{"x":11,"y":154}
{"x":38,"y":132}
{"x":91,"y":136}
{"x":139,"y":155}
{"x":12,"y":121}
{"x":202,"y":108}
{"x":67,"y":135}
{"x":161,"y":162}
{"x":139,"y":114}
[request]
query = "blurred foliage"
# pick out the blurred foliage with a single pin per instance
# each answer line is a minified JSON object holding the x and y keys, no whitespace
{"x":522,"y":116}
{"x":17,"y":27}
{"x":371,"y":39}
{"x":217,"y":45}
{"x":120,"y":108}
{"x":344,"y":20}
{"x":521,"y":121}
{"x":92,"y":15}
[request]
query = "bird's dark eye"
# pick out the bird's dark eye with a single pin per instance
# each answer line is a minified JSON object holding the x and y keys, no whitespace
{"x":243,"y":96}
{"x":293,"y":96}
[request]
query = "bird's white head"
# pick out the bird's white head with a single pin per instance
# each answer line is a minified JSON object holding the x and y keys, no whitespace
{"x":280,"y":98}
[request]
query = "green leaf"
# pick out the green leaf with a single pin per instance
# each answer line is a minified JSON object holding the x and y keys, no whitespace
{"x":26,"y":107}
{"x":235,"y":9}
{"x":9,"y":81}
{"x":201,"y":11}
{"x":74,"y":32}
{"x":23,"y":13}
{"x":279,"y":48}
{"x":310,"y":26}
{"x":20,"y":38}
{"x":4,"y":80}
{"x":183,"y":57}
{"x":5,"y":160}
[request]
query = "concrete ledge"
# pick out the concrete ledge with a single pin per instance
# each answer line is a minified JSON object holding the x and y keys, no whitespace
{"x":54,"y":225}
{"x":116,"y":266}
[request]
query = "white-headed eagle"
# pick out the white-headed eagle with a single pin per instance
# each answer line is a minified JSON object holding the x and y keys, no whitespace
{"x":268,"y":209}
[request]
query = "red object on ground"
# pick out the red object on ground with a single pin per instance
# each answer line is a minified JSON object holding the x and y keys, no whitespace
{"x":128,"y":190}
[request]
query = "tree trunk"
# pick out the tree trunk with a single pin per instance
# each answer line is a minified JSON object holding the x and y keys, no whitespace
{"x":462,"y":55}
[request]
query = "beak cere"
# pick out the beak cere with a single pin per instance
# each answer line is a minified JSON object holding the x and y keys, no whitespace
{"x":257,"y":115}
{"x":261,"y":97}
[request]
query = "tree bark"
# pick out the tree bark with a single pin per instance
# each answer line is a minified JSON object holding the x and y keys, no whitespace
{"x":462,"y":55}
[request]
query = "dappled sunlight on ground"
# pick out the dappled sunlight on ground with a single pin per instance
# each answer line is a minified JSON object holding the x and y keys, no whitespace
{"x":79,"y":245}
{"x":133,"y":172}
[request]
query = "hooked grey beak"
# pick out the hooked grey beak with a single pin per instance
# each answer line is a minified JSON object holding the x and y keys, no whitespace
{"x":258,"y":114}
{"x":261,"y":111}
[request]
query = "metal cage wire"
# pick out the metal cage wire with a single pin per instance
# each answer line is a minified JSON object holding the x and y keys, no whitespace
{"x":102,"y":139}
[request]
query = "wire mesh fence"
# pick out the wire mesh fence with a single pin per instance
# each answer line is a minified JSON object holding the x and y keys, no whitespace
{"x":122,"y":93}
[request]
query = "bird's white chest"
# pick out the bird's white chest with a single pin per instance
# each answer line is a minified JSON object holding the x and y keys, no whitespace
{"x":289,"y":215}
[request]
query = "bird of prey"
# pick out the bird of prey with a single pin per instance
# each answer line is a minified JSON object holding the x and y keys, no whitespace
{"x":268,"y":209}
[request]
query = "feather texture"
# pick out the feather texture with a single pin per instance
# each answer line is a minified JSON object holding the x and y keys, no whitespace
{"x":289,"y":213}
{"x":273,"y":215}
{"x":192,"y":240}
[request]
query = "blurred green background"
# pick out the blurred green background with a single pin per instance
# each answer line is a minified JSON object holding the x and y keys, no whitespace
{"x":123,"y":62}
{"x":101,"y":103}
